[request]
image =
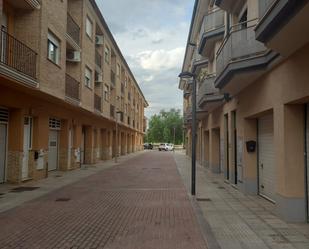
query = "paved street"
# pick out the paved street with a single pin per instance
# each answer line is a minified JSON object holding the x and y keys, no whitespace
{"x":139,"y":204}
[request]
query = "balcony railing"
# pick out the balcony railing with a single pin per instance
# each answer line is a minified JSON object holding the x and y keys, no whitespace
{"x":264,"y":6}
{"x":17,"y":55}
{"x":207,"y":88}
{"x":97,"y":102}
{"x":72,"y":88}
{"x":98,"y":59}
{"x":73,"y":29}
{"x":239,"y":44}
{"x":112,"y":111}
{"x":212,"y":21}
{"x":113,"y":78}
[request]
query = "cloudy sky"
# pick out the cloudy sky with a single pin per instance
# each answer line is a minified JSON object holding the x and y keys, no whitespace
{"x":152,"y":35}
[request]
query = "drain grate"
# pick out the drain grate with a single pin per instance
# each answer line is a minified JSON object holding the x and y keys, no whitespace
{"x":203,"y":199}
{"x":23,"y":189}
{"x":58,"y":176}
{"x":63,"y":199}
{"x":215,"y":182}
{"x":221,"y":187}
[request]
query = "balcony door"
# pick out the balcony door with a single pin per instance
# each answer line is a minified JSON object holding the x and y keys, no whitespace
{"x":4,"y":41}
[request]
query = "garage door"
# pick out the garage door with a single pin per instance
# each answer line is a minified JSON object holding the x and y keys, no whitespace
{"x":307,"y":153}
{"x":267,"y":171}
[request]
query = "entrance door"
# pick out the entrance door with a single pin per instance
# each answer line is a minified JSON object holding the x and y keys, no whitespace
{"x":26,"y":147}
{"x":82,"y":149}
{"x":267,"y":171}
{"x":53,"y":150}
{"x":227,"y":142}
{"x":3,"y":142}
{"x":307,"y":159}
{"x":235,"y":147}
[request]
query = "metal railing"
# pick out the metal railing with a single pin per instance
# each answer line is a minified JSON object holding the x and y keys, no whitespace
{"x":264,"y":6}
{"x":73,"y":29}
{"x":212,"y":21}
{"x":72,"y":88}
{"x":98,"y":59}
{"x":97,"y":102}
{"x":17,"y":55}
{"x":113,"y":77}
{"x":239,"y":44}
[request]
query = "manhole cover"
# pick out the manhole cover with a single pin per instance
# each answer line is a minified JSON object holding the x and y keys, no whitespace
{"x":63,"y":199}
{"x":203,"y":199}
{"x":23,"y":189}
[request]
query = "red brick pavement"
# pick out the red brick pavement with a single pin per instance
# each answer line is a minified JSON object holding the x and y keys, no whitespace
{"x":141,"y":204}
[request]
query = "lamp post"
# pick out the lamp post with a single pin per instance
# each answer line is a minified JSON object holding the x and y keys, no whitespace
{"x":117,"y":140}
{"x":188,"y":75}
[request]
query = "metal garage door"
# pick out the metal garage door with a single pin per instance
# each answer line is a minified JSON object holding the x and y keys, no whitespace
{"x":4,"y":118}
{"x":307,"y":154}
{"x":3,"y":146}
{"x":267,"y":171}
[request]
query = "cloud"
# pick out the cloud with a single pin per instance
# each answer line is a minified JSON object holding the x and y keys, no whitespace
{"x":152,"y":36}
{"x":161,"y":59}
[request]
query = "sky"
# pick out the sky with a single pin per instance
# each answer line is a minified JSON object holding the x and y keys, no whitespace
{"x":152,"y":36}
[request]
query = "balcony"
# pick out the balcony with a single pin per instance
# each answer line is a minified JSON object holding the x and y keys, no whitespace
{"x":209,"y":97}
{"x":113,"y":79}
{"x":73,"y":33}
{"x":198,"y":62}
{"x":282,"y":20}
{"x":72,"y":88}
{"x":231,"y":6}
{"x":241,"y":59}
{"x":212,"y":30}
{"x":97,"y":103}
{"x":17,"y":60}
{"x":26,"y":4}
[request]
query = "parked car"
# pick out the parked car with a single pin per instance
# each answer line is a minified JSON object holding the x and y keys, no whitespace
{"x":166,"y":147}
{"x":148,"y":146}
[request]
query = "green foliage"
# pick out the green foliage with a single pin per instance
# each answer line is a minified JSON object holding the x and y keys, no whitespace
{"x":162,"y":127}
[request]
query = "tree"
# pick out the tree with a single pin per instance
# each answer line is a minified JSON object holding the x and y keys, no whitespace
{"x":163,"y":127}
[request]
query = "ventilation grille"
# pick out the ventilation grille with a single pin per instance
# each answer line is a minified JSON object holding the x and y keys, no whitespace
{"x":54,"y":124}
{"x":4,"y":115}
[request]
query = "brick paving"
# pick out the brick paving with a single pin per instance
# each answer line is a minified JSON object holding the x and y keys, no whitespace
{"x":140,"y":204}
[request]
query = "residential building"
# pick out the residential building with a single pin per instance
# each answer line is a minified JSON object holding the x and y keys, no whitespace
{"x":251,"y":66}
{"x":62,"y":90}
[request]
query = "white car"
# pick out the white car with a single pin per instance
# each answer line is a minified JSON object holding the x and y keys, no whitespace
{"x":166,"y":147}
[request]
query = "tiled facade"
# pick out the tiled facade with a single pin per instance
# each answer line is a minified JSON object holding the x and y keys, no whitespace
{"x":64,"y":84}
{"x":249,"y":59}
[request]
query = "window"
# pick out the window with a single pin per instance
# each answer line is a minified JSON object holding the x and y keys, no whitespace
{"x":88,"y":77}
{"x":89,"y":26}
{"x":118,"y":70}
{"x":53,"y":48}
{"x":106,"y":93}
{"x":107,"y":55}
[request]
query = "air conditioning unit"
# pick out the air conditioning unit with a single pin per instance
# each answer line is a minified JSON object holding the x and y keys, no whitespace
{"x":73,"y":56}
{"x":99,"y":78}
{"x":99,"y":39}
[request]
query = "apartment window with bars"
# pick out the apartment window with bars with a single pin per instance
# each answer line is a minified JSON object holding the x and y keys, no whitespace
{"x":107,"y":55}
{"x":89,"y":27}
{"x":88,"y":77}
{"x":53,"y":48}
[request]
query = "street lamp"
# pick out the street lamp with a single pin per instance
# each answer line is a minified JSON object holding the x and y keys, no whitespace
{"x":117,"y":140}
{"x":188,"y":75}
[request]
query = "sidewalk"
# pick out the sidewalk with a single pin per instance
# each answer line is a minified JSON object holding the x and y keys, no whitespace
{"x":55,"y":180}
{"x":237,"y":220}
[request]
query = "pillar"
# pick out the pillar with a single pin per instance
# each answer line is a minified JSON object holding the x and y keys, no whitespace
{"x":89,"y":145}
{"x":206,"y":149}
